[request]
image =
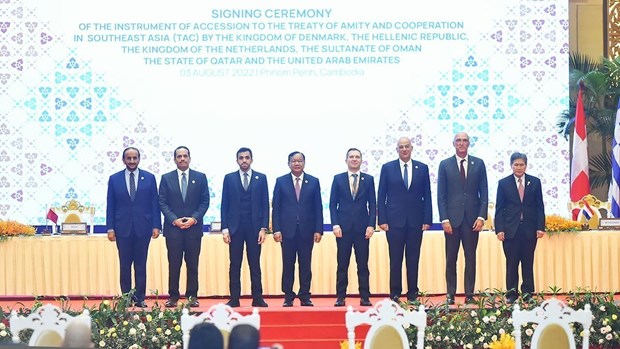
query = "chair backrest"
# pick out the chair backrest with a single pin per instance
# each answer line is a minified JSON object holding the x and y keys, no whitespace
{"x":553,"y":318}
{"x":387,"y":321}
{"x":600,"y":209}
{"x":488,"y":223}
{"x":222,"y":316}
{"x":48,"y":324}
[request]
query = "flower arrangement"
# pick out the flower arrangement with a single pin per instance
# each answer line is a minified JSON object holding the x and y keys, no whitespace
{"x":11,"y":228}
{"x":556,"y":224}
{"x":487,"y":324}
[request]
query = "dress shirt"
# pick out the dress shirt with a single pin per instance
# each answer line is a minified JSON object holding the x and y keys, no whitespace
{"x":409,"y":171}
{"x":136,"y":175}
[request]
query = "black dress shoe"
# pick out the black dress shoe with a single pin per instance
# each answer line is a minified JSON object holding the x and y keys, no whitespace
{"x":287,"y":304}
{"x":233,"y":303}
{"x":365,"y":302}
{"x":470,"y":300}
{"x":140,"y":304}
{"x":395,"y":299}
{"x":259,"y":303}
{"x":339,"y":302}
{"x":307,"y":303}
{"x":511,"y":299}
{"x":193,"y":302}
{"x":450,"y":299}
{"x":171,"y":303}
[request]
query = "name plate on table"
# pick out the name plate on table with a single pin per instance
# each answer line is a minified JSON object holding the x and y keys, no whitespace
{"x":609,"y":224}
{"x":74,"y":228}
{"x":216,"y":227}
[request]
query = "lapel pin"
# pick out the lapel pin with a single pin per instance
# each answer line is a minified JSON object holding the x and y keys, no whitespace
{"x":193,"y":181}
{"x":306,"y":181}
{"x":141,"y":178}
{"x":416,"y":166}
{"x":256,"y":177}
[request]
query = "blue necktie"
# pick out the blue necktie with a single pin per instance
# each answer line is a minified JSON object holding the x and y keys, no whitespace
{"x":132,"y":186}
{"x":406,"y":177}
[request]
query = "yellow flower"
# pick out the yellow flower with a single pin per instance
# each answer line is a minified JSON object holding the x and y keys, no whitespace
{"x":478,"y":330}
{"x":177,"y":328}
{"x":149,"y":318}
{"x":158,"y":330}
{"x":102,"y":331}
{"x":505,"y":342}
{"x":125,"y":323}
{"x":106,"y":302}
{"x":614,"y":317}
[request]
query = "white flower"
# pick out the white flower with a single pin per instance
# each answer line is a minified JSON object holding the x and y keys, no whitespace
{"x":605,"y":322}
{"x":134,"y":346}
{"x":168,"y":332}
{"x":153,"y":339}
{"x":529,"y":332}
{"x":602,"y":308}
{"x":102,"y":344}
{"x":161,"y":315}
{"x":485,"y":346}
{"x":406,"y":325}
{"x":481,"y":339}
{"x":3,"y":333}
{"x":142,"y":327}
{"x":603,"y":330}
{"x":492,"y":318}
{"x":469,"y":346}
{"x":485,"y":319}
{"x":2,"y":326}
{"x":600,"y":341}
{"x":136,"y":317}
{"x":501,"y":331}
{"x":609,"y":336}
{"x":132,"y":331}
{"x":509,"y":320}
{"x":473,"y":313}
{"x":438,"y":338}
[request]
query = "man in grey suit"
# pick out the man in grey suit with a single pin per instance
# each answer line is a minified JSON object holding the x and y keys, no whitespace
{"x":462,"y":200}
{"x":184,"y":200}
{"x":353,"y":211}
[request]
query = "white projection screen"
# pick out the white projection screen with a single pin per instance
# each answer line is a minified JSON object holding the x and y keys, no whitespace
{"x":82,"y":80}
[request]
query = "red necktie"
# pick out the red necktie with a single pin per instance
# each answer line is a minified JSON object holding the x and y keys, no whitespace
{"x":462,"y":170}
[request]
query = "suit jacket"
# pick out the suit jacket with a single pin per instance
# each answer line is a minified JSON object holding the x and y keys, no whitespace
{"x":457,"y":201}
{"x":287,"y":212}
{"x":142,"y":214}
{"x":508,"y":207}
{"x":350,"y":213}
{"x":397,"y":205}
{"x":231,"y":198}
{"x":172,"y":206}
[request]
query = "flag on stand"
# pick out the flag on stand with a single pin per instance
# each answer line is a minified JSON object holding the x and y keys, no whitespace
{"x":587,"y":211}
{"x":52,"y":216}
{"x":614,"y":187}
{"x":579,"y":175}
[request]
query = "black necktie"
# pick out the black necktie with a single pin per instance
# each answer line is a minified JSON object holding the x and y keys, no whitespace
{"x":462,"y":170}
{"x":406,"y":178}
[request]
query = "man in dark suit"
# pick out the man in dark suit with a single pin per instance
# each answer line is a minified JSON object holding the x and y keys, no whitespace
{"x":132,"y":219}
{"x":519,"y":222}
{"x":405,"y":211}
{"x":245,"y":218}
{"x":297,"y":223}
{"x":462,"y":199}
{"x":353,"y":211}
{"x":184,"y":200}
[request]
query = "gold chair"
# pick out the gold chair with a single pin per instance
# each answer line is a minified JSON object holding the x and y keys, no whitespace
{"x":554,"y":329}
{"x":387,"y":321}
{"x":48,"y":324}
{"x":600,"y":208}
{"x":222,"y":316}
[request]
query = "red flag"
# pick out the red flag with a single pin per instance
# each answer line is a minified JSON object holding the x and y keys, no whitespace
{"x":52,"y":216}
{"x":579,"y":174}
